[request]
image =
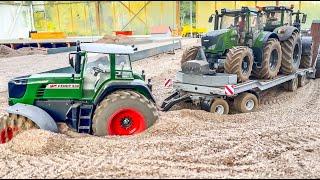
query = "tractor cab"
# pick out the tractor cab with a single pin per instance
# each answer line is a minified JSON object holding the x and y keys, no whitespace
{"x":297,"y":21}
{"x":275,"y":16}
{"x":98,"y":63}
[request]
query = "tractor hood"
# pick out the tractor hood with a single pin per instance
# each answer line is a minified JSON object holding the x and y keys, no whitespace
{"x":218,"y":40}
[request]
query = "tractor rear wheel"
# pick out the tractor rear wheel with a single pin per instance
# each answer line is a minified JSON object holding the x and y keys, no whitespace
{"x":306,"y":59}
{"x":124,"y":112}
{"x":271,"y":61}
{"x":12,"y":124}
{"x":189,"y":54}
{"x":239,"y":61}
{"x":291,"y":54}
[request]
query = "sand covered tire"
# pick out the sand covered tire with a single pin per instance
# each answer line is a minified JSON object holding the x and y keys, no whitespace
{"x":219,"y":106}
{"x":189,"y":54}
{"x":12,"y":124}
{"x":239,"y":61}
{"x":271,"y":61}
{"x":246,"y":102}
{"x":291,"y":54}
{"x":317,"y":66}
{"x":292,"y":85}
{"x":124,"y":113}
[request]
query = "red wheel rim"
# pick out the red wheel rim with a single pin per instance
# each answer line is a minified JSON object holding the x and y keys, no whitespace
{"x":126,"y":122}
{"x":7,"y":134}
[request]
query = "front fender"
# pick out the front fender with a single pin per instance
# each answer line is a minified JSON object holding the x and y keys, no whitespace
{"x":40,"y":117}
{"x":288,"y":30}
{"x":136,"y":85}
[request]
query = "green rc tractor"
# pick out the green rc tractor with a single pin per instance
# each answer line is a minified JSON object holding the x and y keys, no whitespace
{"x":98,"y":94}
{"x":238,"y":45}
{"x":296,"y":50}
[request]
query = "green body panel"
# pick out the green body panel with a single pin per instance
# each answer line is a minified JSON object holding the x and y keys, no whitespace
{"x":224,"y":42}
{"x":258,"y":42}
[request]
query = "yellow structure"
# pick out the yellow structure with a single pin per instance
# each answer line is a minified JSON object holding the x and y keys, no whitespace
{"x":83,"y":18}
{"x":186,"y":31}
{"x":48,"y":35}
{"x":205,"y":8}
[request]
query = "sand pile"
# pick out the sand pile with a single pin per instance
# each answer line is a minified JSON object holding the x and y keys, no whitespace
{"x":120,"y":39}
{"x":5,"y":51}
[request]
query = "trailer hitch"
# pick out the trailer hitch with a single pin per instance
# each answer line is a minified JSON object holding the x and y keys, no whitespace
{"x":173,"y":99}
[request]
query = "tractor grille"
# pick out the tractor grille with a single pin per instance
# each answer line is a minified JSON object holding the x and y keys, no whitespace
{"x":40,"y":91}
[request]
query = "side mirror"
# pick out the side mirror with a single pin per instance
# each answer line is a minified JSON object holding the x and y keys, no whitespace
{"x":71,"y":60}
{"x":210,"y":19}
{"x":304,"y":18}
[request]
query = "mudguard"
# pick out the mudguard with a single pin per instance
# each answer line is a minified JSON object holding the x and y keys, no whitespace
{"x":122,"y":85}
{"x":36,"y":114}
{"x":288,"y":30}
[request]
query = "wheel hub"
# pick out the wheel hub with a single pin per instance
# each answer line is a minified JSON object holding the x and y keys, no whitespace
{"x":219,"y":109}
{"x":245,"y":65}
{"x":126,"y":121}
{"x":250,"y":104}
{"x":296,"y":53}
{"x":273,"y":59}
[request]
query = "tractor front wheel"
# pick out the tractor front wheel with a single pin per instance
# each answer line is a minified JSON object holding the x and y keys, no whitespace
{"x":124,"y":113}
{"x":239,"y":61}
{"x":12,"y":124}
{"x":271,"y":61}
{"x":189,"y":54}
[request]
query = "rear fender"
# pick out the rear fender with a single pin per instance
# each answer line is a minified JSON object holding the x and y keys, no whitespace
{"x":287,"y":33}
{"x":41,"y":118}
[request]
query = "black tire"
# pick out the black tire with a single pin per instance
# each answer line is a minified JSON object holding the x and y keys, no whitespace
{"x":246,"y":102}
{"x":123,"y":110}
{"x":219,"y":106}
{"x":239,"y":61}
{"x":12,"y":124}
{"x":291,"y":54}
{"x":271,"y":61}
{"x":189,"y":54}
{"x":292,"y":85}
{"x":306,"y":59}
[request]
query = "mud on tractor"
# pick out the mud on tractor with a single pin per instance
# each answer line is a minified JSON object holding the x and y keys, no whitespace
{"x":98,"y":94}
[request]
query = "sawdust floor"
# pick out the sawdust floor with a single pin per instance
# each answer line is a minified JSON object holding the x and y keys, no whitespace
{"x":280,"y":140}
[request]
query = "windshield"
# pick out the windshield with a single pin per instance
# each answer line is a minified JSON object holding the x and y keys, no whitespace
{"x":233,"y":20}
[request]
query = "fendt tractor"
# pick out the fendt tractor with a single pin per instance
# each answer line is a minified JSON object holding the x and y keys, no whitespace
{"x":238,"y":45}
{"x":244,"y":55}
{"x":287,"y":25}
{"x":98,"y":94}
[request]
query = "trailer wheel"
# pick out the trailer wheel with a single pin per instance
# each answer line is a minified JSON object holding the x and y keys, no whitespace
{"x":292,"y":85}
{"x":302,"y":80}
{"x":271,"y":61}
{"x":239,"y":61}
{"x":291,"y":54}
{"x":13,"y":124}
{"x":246,"y":102}
{"x":189,"y":54}
{"x":219,"y":106}
{"x":123,"y":112}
